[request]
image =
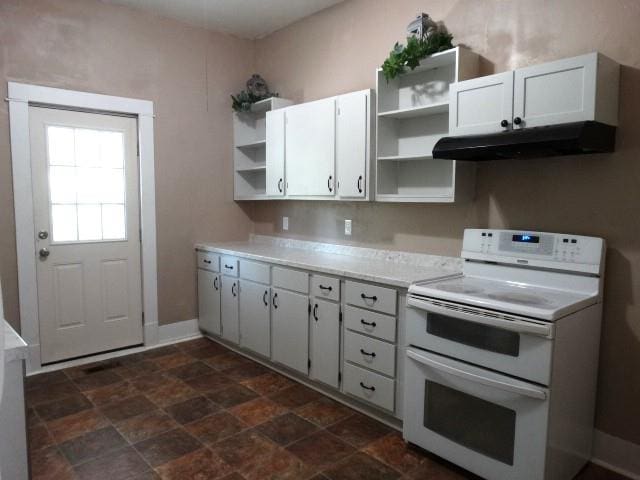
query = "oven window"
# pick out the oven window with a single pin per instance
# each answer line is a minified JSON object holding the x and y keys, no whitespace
{"x":473,"y":334}
{"x":469,"y":421}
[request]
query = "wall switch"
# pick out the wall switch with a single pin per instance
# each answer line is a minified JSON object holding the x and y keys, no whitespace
{"x":285,"y":223}
{"x":347,"y":227}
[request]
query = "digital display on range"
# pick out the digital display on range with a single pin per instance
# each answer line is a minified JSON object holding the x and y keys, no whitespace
{"x":525,"y":238}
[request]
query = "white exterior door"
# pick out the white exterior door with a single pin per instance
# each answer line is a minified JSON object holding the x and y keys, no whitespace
{"x":481,"y":105}
{"x":290,"y":329}
{"x":310,"y":148}
{"x":275,"y":154}
{"x":556,"y":92}
{"x":254,"y":317}
{"x":325,"y":342}
{"x":87,"y":215}
{"x":209,"y":301}
{"x":351,"y":144}
{"x":229,"y":310}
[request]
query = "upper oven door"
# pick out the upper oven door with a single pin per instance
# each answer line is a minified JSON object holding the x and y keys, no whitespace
{"x":508,"y":344}
{"x":490,"y":424}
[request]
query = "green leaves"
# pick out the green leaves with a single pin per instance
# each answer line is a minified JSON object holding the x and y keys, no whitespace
{"x":402,"y":57}
{"x":242,"y":101}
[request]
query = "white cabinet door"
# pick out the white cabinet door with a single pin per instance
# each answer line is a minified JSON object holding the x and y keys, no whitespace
{"x":325,"y":342}
{"x":351,"y":144}
{"x":481,"y":105}
{"x":209,"y":301}
{"x":229,"y":310}
{"x":290,"y":329}
{"x":556,"y":92}
{"x":254,"y":317}
{"x":275,"y":154}
{"x":310,"y":148}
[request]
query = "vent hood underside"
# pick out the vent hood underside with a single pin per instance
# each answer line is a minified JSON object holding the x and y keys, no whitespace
{"x":548,"y":141}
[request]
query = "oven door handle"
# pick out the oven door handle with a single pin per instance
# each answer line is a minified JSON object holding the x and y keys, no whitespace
{"x":514,"y":325}
{"x":472,"y":377}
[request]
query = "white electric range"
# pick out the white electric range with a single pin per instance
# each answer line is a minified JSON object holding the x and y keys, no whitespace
{"x":502,"y":360}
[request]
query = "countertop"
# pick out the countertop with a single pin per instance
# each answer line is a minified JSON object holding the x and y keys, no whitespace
{"x":389,"y":267}
{"x":14,"y":346}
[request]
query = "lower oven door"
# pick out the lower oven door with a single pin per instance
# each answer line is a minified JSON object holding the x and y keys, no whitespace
{"x":507,"y":343}
{"x":490,"y":424}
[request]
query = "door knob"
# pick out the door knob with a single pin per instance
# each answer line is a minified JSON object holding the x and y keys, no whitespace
{"x":43,"y":234}
{"x":504,"y":124}
{"x":44,"y":253}
{"x":517,"y":120}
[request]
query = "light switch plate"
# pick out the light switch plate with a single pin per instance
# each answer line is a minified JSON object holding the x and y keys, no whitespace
{"x":285,"y":223}
{"x":347,"y":227}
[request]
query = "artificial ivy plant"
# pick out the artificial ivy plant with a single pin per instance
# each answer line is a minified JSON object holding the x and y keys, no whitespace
{"x":257,"y":90}
{"x":416,"y":49}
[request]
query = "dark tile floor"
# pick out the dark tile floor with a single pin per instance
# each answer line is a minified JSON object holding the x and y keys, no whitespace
{"x":199,"y":411}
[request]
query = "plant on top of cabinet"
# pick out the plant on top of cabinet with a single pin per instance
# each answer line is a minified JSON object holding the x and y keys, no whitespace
{"x":257,"y":89}
{"x":426,"y":37}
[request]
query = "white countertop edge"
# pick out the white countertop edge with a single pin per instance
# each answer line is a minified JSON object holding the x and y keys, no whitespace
{"x":14,"y":346}
{"x":431,"y":273}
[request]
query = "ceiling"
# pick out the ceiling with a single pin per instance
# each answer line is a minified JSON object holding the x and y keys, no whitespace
{"x":244,"y":18}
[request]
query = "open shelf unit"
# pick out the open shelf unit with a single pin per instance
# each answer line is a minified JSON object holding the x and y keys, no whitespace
{"x":412,"y":115}
{"x":249,"y":152}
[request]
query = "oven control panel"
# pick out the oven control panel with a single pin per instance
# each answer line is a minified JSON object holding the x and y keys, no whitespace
{"x":541,"y":249}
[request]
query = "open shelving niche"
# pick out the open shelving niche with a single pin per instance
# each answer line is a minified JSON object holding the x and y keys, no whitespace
{"x":412,"y":115}
{"x":249,"y":152}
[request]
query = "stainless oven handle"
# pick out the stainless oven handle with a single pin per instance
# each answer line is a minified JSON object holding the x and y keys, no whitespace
{"x":514,"y":325}
{"x":489,"y":382}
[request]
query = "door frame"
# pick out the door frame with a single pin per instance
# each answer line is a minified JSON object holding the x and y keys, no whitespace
{"x":21,"y":97}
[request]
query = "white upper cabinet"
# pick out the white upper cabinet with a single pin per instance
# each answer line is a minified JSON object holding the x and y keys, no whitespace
{"x":481,"y":105}
{"x":310,"y":148}
{"x":275,"y":153}
{"x":569,"y":90}
{"x":352,"y":143}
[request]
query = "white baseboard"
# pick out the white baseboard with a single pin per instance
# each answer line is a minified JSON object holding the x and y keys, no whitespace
{"x":616,"y":454}
{"x":167,"y":334}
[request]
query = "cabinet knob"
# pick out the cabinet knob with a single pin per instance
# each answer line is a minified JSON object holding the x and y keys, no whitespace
{"x":504,"y":124}
{"x":517,"y":121}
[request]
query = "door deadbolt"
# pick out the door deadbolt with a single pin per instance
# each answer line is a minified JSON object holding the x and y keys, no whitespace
{"x":44,"y":253}
{"x":43,"y":234}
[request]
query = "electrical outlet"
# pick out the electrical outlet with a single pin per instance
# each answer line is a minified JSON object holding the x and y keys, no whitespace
{"x":285,"y":223}
{"x":347,"y":227}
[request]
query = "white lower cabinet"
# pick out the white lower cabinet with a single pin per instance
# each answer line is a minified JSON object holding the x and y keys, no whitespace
{"x":325,"y":342}
{"x":255,"y":317}
{"x":290,"y":329}
{"x":209,"y":301}
{"x":229,"y":310}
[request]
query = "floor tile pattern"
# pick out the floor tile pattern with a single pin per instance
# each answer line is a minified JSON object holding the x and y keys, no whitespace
{"x":196,"y":410}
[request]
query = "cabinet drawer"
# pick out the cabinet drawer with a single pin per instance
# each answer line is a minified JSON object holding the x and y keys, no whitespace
{"x":371,"y":353}
{"x":369,"y":386}
{"x":257,"y":272}
{"x":371,"y":296}
{"x":325,"y":287}
{"x":290,"y":279}
{"x":371,"y":323}
{"x":208,"y":261}
{"x":229,"y":266}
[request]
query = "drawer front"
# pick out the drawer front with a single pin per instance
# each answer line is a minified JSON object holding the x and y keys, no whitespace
{"x":325,"y":287}
{"x":208,"y":261}
{"x":371,"y":323}
{"x":369,"y":386}
{"x":257,"y":272}
{"x":371,"y":353}
{"x":290,"y":279}
{"x":229,"y":266}
{"x":371,"y":296}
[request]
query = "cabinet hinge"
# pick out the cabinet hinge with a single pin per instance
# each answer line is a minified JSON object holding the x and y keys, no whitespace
{"x":309,"y":306}
{"x":309,"y":363}
{"x":340,"y":317}
{"x":140,"y":232}
{"x":339,"y":377}
{"x":143,"y":318}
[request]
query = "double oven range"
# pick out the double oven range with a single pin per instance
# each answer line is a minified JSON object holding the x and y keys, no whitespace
{"x":501,"y":367}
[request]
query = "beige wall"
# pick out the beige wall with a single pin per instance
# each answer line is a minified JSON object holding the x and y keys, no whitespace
{"x":337,"y":50}
{"x":187,"y":72}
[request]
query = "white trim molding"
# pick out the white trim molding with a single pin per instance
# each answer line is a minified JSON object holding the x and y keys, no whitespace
{"x":616,"y":454}
{"x":22,"y":95}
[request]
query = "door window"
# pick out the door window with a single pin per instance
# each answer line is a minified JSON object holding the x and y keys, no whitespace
{"x":86,"y":184}
{"x":472,"y":422}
